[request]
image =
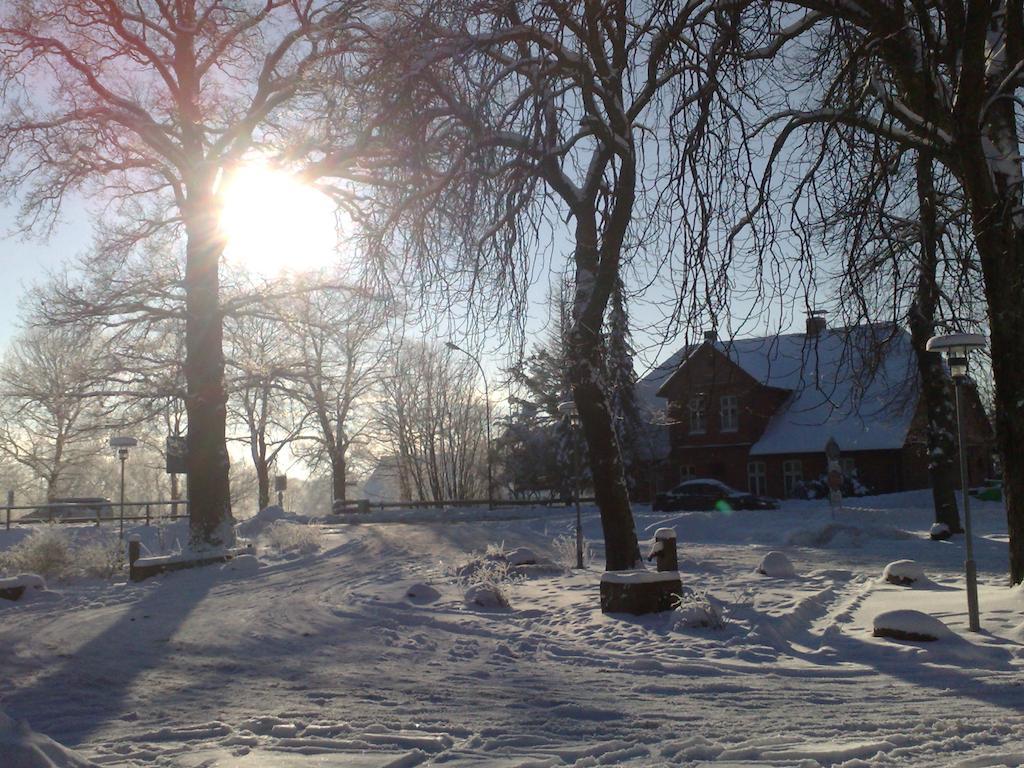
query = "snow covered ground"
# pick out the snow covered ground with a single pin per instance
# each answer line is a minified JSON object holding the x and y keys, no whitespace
{"x":323,"y":659}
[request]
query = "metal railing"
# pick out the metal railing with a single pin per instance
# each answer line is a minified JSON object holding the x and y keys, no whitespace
{"x":90,"y":512}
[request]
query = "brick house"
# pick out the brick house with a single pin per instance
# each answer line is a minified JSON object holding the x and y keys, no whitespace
{"x":757,"y":413}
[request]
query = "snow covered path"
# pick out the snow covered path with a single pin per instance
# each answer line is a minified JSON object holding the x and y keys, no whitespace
{"x":323,"y":660}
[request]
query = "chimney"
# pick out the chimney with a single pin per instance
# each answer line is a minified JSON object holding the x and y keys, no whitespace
{"x":816,"y":322}
{"x":710,"y":337}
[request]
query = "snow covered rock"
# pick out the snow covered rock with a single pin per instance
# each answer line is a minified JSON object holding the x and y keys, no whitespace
{"x":909,"y":625}
{"x":904,"y":573}
{"x":486,"y":596}
{"x":940,"y":532}
{"x":521,"y":556}
{"x":21,"y":747}
{"x":14,"y":587}
{"x":777,"y":566}
{"x":422,"y":593}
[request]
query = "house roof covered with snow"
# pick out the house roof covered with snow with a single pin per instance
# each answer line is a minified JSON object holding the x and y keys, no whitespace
{"x":857,"y":384}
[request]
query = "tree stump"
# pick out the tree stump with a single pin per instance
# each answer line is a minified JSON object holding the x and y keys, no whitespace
{"x":639,"y":592}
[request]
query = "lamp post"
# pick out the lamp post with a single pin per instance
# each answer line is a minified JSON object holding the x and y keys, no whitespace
{"x":568,"y":408}
{"x":957,"y":346}
{"x":122,"y":444}
{"x":487,"y":404}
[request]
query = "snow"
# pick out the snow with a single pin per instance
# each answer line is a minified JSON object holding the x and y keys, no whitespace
{"x":911,"y":623}
{"x":777,"y":566}
{"x":21,"y":747}
{"x":26,"y":580}
{"x":665,"y":534}
{"x":904,"y":573}
{"x":638,"y":577}
{"x":366,"y":654}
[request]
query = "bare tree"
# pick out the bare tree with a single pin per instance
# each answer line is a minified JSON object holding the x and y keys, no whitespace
{"x":518,"y":117}
{"x":433,"y":420}
{"x":340,"y":341}
{"x":942,"y":78}
{"x":146,"y":106}
{"x":54,"y":402}
{"x":261,"y":362}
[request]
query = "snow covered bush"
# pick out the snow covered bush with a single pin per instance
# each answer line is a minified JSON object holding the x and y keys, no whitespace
{"x":486,"y":596}
{"x":294,"y":537}
{"x":698,"y":610}
{"x":51,"y":552}
{"x":99,"y":559}
{"x":486,"y":580}
{"x":47,"y":551}
{"x":565,"y":552}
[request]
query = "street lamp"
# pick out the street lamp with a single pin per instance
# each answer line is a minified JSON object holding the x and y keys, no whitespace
{"x":122,"y":444}
{"x":568,"y":408}
{"x":957,"y":346}
{"x":487,"y":404}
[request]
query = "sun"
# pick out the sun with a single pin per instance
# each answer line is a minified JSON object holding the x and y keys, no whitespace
{"x":276,"y":225}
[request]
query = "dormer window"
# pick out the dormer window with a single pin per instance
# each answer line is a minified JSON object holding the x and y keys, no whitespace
{"x":729,"y":413}
{"x":698,"y":415}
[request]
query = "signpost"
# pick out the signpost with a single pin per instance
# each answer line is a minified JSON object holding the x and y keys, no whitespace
{"x":835,"y":476}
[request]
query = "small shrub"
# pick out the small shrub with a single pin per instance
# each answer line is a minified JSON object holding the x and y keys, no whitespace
{"x":293,"y":537}
{"x":698,"y":610}
{"x":99,"y":559}
{"x":565,"y":552}
{"x":47,"y":552}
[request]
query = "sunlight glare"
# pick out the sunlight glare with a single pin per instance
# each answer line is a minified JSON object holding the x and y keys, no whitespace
{"x":275,"y":224}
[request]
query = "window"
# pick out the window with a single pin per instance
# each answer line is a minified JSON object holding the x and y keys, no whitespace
{"x":849,"y":467}
{"x":728,"y":411}
{"x":757,"y":478}
{"x":698,"y":415}
{"x":687,"y":472}
{"x":792,"y":474}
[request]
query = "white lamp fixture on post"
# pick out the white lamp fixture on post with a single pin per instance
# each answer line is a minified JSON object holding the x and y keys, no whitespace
{"x":957,"y":346}
{"x":487,"y":405}
{"x":568,"y":408}
{"x":122,"y":444}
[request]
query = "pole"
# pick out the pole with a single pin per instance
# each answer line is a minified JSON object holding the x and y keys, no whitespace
{"x":973,"y":618}
{"x":122,"y":454}
{"x":576,"y":472}
{"x":10,"y":503}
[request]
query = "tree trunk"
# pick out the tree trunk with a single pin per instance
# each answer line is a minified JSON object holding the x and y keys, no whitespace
{"x":989,"y":167}
{"x":586,"y":377}
{"x":935,"y":387}
{"x":207,"y":461}
{"x":263,"y":483}
{"x":339,"y":474}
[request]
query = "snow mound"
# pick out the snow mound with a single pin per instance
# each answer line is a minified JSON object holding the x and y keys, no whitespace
{"x":422,"y":593}
{"x":521,"y":556}
{"x":698,"y":610}
{"x":21,"y":747}
{"x":258,"y":523}
{"x":909,"y":625}
{"x":777,"y":566}
{"x":904,"y":573}
{"x":841,"y":535}
{"x":486,"y":596}
{"x":940,"y":532}
{"x":243,"y":565}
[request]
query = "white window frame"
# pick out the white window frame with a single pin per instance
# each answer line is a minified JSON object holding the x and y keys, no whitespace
{"x":792,"y":473}
{"x":698,"y":415}
{"x":732,"y":424}
{"x":757,"y":477}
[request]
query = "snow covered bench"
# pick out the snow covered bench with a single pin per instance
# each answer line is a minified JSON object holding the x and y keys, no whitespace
{"x":141,"y":568}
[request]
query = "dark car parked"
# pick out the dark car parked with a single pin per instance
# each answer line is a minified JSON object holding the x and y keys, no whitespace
{"x":707,"y":494}
{"x":73,"y":508}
